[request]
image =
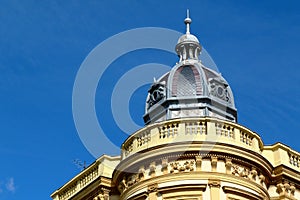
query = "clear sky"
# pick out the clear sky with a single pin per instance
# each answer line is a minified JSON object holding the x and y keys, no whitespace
{"x":255,"y":45}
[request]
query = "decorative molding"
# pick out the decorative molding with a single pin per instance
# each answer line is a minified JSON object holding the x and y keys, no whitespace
{"x":253,"y":174}
{"x":152,"y":169}
{"x":156,"y":93}
{"x":245,"y":172}
{"x":164,"y":166}
{"x":214,"y":163}
{"x":182,"y":166}
{"x":286,"y":189}
{"x":228,"y":165}
{"x":198,"y":159}
{"x":152,"y":188}
{"x":194,"y":177}
{"x":103,"y":195}
{"x":214,"y":183}
{"x":141,"y":173}
{"x":218,"y":88}
{"x":233,"y":193}
{"x":192,"y":162}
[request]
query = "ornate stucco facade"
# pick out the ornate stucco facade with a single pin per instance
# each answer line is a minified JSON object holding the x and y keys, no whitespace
{"x":191,"y":146}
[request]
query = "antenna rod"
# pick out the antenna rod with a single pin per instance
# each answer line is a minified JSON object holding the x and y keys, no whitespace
{"x":188,"y":21}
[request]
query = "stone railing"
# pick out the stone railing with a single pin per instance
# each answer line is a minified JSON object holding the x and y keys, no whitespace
{"x":294,"y":159}
{"x":291,"y":157}
{"x":68,"y":192}
{"x":89,"y":176}
{"x":280,"y":154}
{"x":101,"y":167}
{"x":191,"y":129}
{"x":79,"y":182}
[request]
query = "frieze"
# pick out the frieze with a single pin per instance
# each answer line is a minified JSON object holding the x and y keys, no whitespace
{"x":193,"y":162}
{"x":248,"y":173}
{"x":286,"y":188}
{"x":182,"y":166}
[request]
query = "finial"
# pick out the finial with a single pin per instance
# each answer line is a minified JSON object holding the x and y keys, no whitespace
{"x":188,"y":21}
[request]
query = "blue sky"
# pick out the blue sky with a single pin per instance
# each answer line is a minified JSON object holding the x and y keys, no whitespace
{"x":255,"y":45}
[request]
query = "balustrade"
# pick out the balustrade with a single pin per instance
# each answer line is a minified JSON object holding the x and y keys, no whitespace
{"x":190,"y":129}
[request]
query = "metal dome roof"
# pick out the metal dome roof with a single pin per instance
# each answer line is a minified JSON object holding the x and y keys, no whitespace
{"x":190,"y":89}
{"x":188,"y":38}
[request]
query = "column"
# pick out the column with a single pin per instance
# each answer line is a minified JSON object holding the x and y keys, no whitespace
{"x":214,"y":186}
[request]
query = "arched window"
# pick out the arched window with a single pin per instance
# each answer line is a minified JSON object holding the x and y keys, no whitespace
{"x":186,"y":82}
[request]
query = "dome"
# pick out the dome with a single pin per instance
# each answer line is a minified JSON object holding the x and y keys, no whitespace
{"x":190,"y":89}
{"x":188,"y":38}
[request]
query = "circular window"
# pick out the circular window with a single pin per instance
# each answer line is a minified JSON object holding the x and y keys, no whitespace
{"x":220,"y":91}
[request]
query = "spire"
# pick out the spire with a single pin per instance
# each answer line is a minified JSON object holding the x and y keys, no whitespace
{"x":188,"y":21}
{"x":188,"y":46}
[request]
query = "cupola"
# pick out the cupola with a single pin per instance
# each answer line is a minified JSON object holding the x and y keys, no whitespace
{"x":190,"y":89}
